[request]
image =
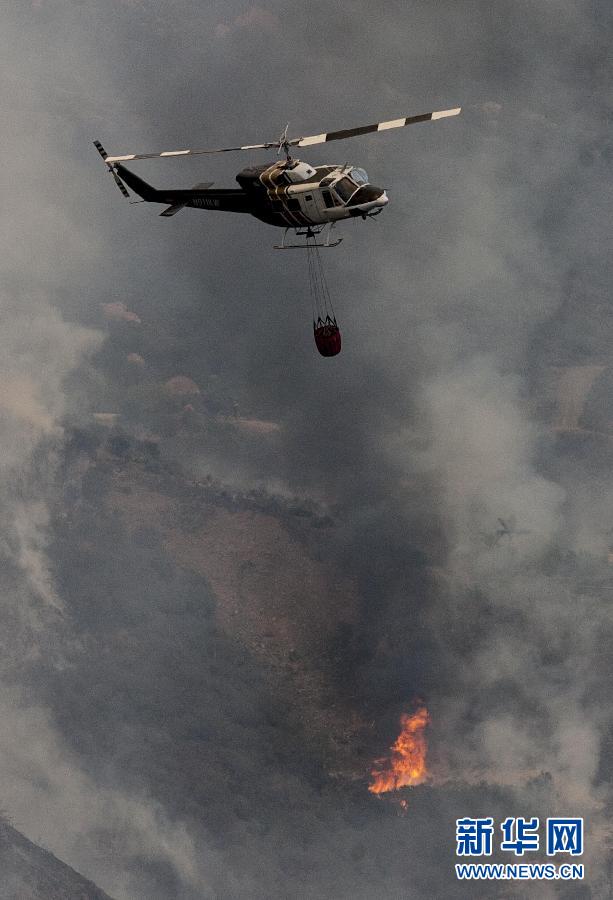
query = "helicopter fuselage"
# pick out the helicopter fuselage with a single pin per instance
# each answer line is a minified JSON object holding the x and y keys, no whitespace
{"x":287,"y":193}
{"x":296,"y":194}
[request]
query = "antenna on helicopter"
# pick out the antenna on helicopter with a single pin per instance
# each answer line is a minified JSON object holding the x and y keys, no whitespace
{"x":284,"y":144}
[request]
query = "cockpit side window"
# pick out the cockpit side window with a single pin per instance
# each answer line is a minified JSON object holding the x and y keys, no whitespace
{"x":345,"y":188}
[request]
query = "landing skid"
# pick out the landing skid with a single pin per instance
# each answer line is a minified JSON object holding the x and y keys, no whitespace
{"x":309,"y":233}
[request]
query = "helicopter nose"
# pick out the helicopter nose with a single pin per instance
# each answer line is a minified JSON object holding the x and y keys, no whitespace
{"x":378,"y":196}
{"x":368,"y":197}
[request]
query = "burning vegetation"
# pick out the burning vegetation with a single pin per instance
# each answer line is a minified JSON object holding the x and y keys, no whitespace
{"x":405,"y":765}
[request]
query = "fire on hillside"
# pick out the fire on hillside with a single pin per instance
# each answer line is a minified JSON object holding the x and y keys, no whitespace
{"x":405,"y":764}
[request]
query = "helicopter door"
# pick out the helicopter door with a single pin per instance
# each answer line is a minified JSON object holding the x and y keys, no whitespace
{"x":311,"y":205}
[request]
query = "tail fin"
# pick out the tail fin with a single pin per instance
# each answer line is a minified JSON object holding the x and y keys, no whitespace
{"x":122,"y":175}
{"x":140,"y":187}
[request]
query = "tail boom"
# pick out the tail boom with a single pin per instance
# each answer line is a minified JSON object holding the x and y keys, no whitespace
{"x":199,"y":197}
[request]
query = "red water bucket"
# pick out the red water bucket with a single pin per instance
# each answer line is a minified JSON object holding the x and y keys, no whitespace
{"x":327,"y":337}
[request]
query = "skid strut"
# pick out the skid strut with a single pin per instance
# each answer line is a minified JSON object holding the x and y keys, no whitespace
{"x":310,"y":234}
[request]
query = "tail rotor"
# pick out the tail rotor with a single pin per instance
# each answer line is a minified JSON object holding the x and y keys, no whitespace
{"x":111,"y":169}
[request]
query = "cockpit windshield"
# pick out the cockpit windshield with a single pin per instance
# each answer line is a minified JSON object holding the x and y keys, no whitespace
{"x":359,"y":176}
{"x":345,"y":188}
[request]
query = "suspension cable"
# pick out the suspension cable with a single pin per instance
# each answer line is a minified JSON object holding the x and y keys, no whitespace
{"x":320,"y":295}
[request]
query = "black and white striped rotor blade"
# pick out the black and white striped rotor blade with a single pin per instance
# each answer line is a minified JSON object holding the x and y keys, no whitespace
{"x":368,"y":129}
{"x":111,"y":160}
{"x":120,"y":184}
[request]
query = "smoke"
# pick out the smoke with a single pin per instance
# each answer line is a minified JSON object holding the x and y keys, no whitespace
{"x":520,"y":623}
{"x":482,"y":453}
{"x":41,"y":781}
{"x":43,"y":784}
{"x":159,"y":753}
{"x":38,"y":350}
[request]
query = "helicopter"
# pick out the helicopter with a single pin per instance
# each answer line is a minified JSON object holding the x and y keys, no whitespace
{"x":507,"y":528}
{"x":288,"y":193}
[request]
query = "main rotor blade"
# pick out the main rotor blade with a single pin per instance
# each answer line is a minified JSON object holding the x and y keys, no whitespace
{"x":307,"y":141}
{"x":111,"y":160}
{"x":367,"y":129}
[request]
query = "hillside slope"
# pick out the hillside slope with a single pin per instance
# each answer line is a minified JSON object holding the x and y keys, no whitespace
{"x":27,"y":872}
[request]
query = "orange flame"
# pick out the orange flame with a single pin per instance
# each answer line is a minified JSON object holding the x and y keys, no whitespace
{"x":405,"y":766}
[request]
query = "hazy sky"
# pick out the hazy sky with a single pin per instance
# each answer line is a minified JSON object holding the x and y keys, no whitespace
{"x":489,"y":268}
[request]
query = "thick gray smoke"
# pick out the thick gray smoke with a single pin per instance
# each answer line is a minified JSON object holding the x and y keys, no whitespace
{"x":452,"y":466}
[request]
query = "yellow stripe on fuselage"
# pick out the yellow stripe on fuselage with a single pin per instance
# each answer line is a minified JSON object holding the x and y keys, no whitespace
{"x":279,"y":192}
